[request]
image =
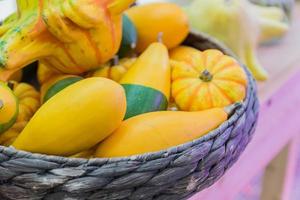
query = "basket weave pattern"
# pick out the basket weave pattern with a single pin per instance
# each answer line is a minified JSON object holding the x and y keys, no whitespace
{"x":176,"y":173}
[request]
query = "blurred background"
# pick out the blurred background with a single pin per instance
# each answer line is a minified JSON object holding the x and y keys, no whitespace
{"x":250,"y":192}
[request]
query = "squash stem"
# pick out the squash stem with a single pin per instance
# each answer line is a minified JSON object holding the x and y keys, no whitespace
{"x":160,"y":37}
{"x":1,"y":104}
{"x":206,"y":76}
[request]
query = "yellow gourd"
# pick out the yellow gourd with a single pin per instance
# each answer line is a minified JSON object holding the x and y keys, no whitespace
{"x":85,"y":154}
{"x":9,"y":136}
{"x":208,"y":79}
{"x":114,"y":72}
{"x":156,"y":131}
{"x":45,"y":73}
{"x":152,"y":19}
{"x":56,"y":84}
{"x":29,"y":101}
{"x":75,"y":119}
{"x":71,"y":36}
{"x":147,"y":82}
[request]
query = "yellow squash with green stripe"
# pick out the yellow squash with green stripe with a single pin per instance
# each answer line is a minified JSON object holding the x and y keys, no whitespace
{"x":147,"y":82}
{"x":75,"y":119}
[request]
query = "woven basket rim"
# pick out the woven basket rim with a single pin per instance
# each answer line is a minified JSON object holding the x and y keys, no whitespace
{"x":158,"y":154}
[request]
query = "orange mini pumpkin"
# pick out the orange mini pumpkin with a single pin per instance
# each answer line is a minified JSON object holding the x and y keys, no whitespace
{"x":208,"y":79}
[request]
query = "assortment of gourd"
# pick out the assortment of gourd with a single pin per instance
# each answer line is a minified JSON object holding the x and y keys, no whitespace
{"x":153,"y":94}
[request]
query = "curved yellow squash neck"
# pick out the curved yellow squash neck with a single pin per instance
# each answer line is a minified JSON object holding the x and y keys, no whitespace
{"x":151,"y":69}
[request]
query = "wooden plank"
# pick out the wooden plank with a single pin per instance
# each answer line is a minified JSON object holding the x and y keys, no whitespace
{"x":291,"y":169}
{"x":278,"y":124}
{"x":274,"y":176}
{"x":279,"y":175}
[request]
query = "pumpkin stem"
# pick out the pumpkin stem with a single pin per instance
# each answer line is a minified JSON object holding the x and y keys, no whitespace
{"x":115,"y":60}
{"x":206,"y":76}
{"x":1,"y":104}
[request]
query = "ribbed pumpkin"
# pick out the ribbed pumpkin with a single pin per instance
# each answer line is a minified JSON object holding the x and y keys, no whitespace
{"x":114,"y":72}
{"x":208,"y":79}
{"x":28,"y":98}
{"x":9,"y":136}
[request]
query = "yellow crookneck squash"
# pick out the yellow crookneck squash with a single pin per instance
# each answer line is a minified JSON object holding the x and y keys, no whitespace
{"x":154,"y":18}
{"x":29,"y":101}
{"x":147,"y":82}
{"x":71,"y":36}
{"x":75,"y":119}
{"x":208,"y":79}
{"x":157,"y":131}
{"x":114,"y":71}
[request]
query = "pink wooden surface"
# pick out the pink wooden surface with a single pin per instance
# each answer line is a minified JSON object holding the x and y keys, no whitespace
{"x":278,"y":124}
{"x":291,"y":168}
{"x":279,"y":120}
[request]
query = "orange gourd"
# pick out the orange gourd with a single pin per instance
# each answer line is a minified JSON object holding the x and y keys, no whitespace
{"x":152,"y":19}
{"x":208,"y":79}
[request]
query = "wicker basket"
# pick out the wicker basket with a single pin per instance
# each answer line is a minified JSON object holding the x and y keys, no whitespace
{"x":176,"y":173}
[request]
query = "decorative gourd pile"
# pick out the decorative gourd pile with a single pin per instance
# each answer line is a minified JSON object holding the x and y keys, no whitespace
{"x":123,"y":106}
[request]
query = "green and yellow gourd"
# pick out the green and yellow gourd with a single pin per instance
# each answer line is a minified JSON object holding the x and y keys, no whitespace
{"x":9,"y":107}
{"x":147,"y":82}
{"x":129,"y":37}
{"x":72,"y":36}
{"x":57,"y":84}
{"x":76,"y":119}
{"x":52,"y":81}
